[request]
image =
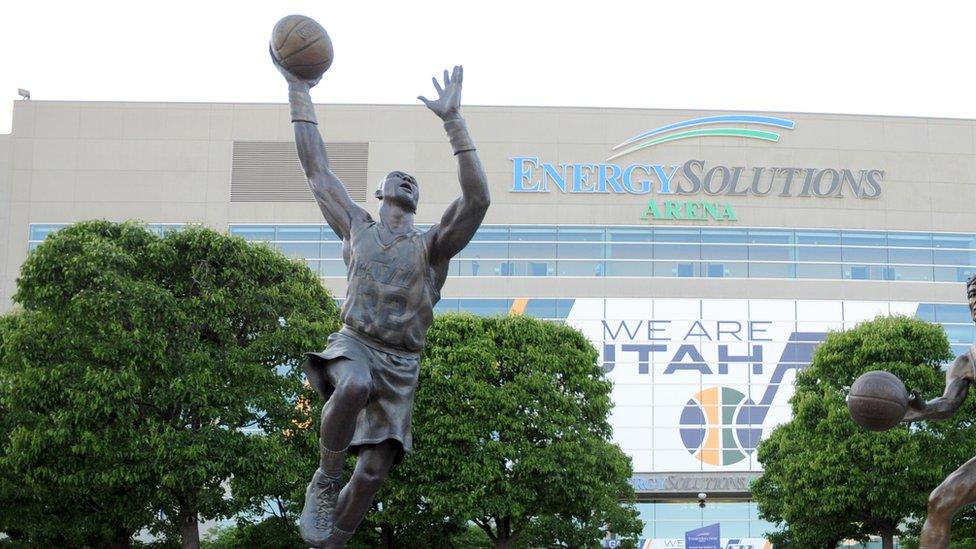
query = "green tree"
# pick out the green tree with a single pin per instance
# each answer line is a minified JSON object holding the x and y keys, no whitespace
{"x":143,"y":373}
{"x":511,"y":432}
{"x":270,"y":533}
{"x":827,"y":479}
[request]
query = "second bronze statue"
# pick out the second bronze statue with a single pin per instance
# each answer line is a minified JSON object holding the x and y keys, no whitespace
{"x":368,"y":372}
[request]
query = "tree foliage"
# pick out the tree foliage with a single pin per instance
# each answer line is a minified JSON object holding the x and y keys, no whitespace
{"x":825,"y":478}
{"x":511,"y":432}
{"x":133,"y":371}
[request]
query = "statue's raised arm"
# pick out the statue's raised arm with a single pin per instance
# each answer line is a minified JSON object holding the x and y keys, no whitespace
{"x":464,"y":215}
{"x":333,"y":199}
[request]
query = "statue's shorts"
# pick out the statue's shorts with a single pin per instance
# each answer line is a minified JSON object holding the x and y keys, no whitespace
{"x":393,"y":383}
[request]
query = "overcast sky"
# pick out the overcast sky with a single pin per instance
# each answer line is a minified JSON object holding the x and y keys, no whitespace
{"x":906,"y":58}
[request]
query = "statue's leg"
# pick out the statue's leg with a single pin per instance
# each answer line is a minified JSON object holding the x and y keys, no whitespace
{"x":352,"y":383}
{"x":373,"y":463}
{"x":956,"y":491}
{"x":352,"y":389}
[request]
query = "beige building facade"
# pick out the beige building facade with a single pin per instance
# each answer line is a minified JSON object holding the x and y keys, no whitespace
{"x":704,"y":253}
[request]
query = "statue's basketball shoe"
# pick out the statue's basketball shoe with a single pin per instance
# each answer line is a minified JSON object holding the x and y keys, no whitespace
{"x":317,"y":517}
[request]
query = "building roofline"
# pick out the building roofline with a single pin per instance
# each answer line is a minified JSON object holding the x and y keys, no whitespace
{"x":498,"y":106}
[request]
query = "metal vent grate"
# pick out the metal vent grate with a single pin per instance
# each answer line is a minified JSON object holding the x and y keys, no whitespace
{"x":269,"y":171}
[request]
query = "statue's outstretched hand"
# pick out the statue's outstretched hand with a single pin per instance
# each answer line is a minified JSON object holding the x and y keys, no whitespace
{"x":448,"y":103}
{"x":294,"y":81}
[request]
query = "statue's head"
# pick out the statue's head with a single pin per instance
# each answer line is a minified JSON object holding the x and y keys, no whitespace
{"x":401,"y":189}
{"x":971,"y":294}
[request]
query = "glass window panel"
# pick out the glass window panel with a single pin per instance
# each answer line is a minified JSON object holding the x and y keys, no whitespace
{"x":541,"y":308}
{"x":858,"y":238}
{"x":910,"y":256}
{"x":865,"y":255}
{"x":581,"y":234}
{"x":33,"y":246}
{"x":299,"y":250}
{"x":563,"y":307}
{"x":772,"y":270}
{"x":954,"y":257}
{"x":726,"y":251}
{"x":818,"y":237}
{"x":485,"y":307}
{"x":540,"y":268}
{"x":629,"y":234}
{"x":163,"y":228}
{"x":676,"y":512}
{"x":677,"y":251}
{"x":912,"y":240}
{"x":486,"y":250}
{"x":815,"y":270}
{"x":737,"y":270}
{"x":674,"y":529}
{"x":759,"y":528}
{"x":734,"y":528}
{"x":960,"y":349}
{"x":926,"y":312}
{"x":487,"y":267}
{"x":665,"y":268}
{"x":685,"y":269}
{"x":40,"y":231}
{"x":732,"y":236}
{"x":532,"y":233}
{"x":715,"y":270}
{"x":771,"y":253}
{"x":329,"y":234}
{"x":867,"y":272}
{"x":630,"y":268}
{"x":951,"y":312}
{"x":331,"y":250}
{"x":949,"y":240}
{"x":760,"y":236}
{"x":477,"y":267}
{"x":299,"y":232}
{"x":959,"y":333}
{"x":315,"y":266}
{"x":722,"y":512}
{"x":581,"y":268}
{"x":902,"y":272}
{"x":818,"y":253}
{"x":676,"y":235}
{"x":446,"y":306}
{"x":333,"y":267}
{"x":254,"y":232}
{"x":532,"y":268}
{"x":629,"y":251}
{"x":580,"y":250}
{"x":953,"y":274}
{"x":491,"y":232}
{"x":541,"y":250}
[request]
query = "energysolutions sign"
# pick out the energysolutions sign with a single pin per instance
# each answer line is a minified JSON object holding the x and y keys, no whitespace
{"x":674,"y":182}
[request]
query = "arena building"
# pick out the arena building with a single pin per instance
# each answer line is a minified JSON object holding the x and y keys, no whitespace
{"x":705,"y":254}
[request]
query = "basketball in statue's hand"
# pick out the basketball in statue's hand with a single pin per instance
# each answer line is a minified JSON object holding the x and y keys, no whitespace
{"x":878,"y":400}
{"x":301,"y":46}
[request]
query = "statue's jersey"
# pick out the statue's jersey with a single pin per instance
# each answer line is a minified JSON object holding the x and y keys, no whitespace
{"x":390,"y":295}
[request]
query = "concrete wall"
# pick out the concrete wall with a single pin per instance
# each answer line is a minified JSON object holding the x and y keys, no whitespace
{"x":5,"y":204}
{"x":170,"y":162}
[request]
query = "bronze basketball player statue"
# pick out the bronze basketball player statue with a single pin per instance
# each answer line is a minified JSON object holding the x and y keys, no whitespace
{"x":368,"y":371}
{"x":959,"y":488}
